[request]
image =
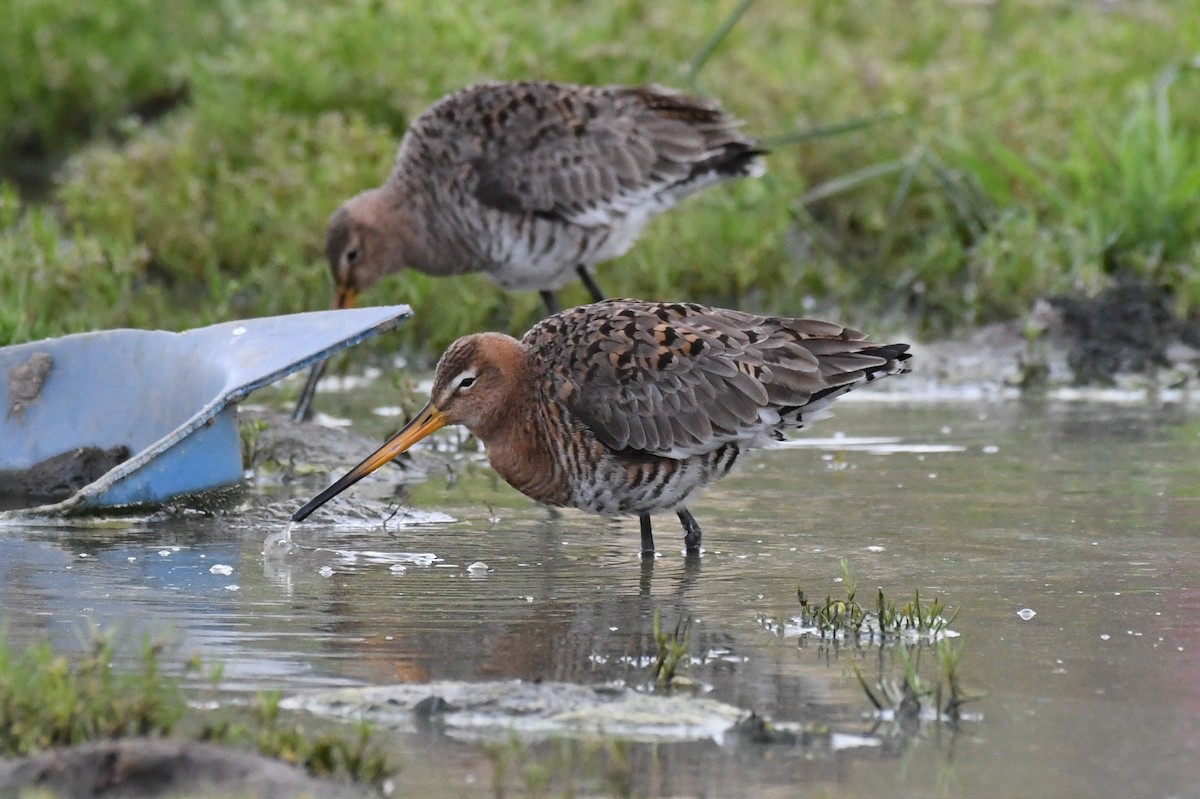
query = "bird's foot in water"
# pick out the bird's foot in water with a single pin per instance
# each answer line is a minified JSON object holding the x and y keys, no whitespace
{"x":691,"y":532}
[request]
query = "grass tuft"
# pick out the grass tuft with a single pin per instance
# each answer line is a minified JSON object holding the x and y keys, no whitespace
{"x":847,"y":619}
{"x":560,"y":767}
{"x":910,"y":699}
{"x":324,"y":754}
{"x":902,"y":633}
{"x":674,"y":650}
{"x":48,"y":699}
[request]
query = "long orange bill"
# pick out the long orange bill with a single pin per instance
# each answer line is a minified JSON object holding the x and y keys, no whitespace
{"x":425,"y":422}
{"x":343,"y":297}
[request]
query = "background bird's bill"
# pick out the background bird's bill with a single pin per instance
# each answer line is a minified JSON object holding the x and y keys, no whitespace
{"x":424,"y":423}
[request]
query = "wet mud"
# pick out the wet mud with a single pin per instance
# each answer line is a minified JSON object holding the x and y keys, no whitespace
{"x":1130,"y":328}
{"x":59,"y":476}
{"x":541,"y":710}
{"x":145,"y":767}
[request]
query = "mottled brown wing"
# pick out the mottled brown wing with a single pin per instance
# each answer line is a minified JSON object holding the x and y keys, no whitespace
{"x":579,"y":153}
{"x":684,"y":378}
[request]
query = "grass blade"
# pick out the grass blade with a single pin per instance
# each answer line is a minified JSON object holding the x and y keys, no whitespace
{"x":852,"y":180}
{"x":714,"y":41}
{"x":832,"y":129}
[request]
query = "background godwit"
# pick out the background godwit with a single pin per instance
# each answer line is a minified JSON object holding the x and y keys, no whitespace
{"x":531,"y":184}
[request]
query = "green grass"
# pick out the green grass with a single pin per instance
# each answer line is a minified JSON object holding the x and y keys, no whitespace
{"x":48,"y":699}
{"x":560,"y":767}
{"x":324,"y":754}
{"x":950,"y":161}
{"x":673,"y":651}
{"x":848,"y":620}
{"x":909,"y":699}
{"x":56,"y":279}
{"x":72,"y":70}
{"x":902,"y":633}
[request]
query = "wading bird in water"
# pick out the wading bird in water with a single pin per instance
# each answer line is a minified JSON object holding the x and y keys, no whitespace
{"x":531,"y":184}
{"x":626,"y":407}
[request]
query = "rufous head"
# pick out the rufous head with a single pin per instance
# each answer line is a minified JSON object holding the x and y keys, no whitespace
{"x":475,"y":380}
{"x":473,"y":386}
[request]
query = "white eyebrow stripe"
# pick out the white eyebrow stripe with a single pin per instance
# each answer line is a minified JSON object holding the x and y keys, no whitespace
{"x":465,"y":374}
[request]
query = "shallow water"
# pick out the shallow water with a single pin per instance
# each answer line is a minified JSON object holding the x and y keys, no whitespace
{"x":1086,"y":514}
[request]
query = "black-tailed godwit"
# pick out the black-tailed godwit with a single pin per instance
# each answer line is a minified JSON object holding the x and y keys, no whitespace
{"x":626,"y":407}
{"x":532,"y":184}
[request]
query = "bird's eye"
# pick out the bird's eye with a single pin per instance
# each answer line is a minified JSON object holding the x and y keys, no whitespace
{"x":466,"y":382}
{"x":352,"y":256}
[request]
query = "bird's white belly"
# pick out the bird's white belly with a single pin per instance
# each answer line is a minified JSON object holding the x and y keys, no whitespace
{"x":542,"y":254}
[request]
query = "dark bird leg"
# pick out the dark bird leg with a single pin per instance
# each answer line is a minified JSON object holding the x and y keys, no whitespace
{"x":551,"y":301}
{"x":589,"y":283}
{"x":691,"y":530}
{"x":647,"y":535}
{"x":303,"y":411}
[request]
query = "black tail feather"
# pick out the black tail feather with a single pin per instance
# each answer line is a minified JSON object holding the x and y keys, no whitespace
{"x":735,"y":160}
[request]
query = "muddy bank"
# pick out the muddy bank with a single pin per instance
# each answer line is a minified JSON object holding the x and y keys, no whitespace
{"x":1126,"y":336}
{"x":1129,"y":328}
{"x":144,"y":767}
{"x":58,"y":477}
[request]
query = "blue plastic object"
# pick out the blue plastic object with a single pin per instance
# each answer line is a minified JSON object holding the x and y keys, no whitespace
{"x":169,"y":397}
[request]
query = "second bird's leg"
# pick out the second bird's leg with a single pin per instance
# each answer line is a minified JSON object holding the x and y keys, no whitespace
{"x":303,"y":410}
{"x":691,"y":530}
{"x":589,"y":283}
{"x":551,"y":301}
{"x":647,"y":535}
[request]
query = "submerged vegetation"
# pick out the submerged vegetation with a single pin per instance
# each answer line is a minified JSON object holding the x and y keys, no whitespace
{"x":938,"y":163}
{"x":910,"y":699}
{"x":561,"y":767}
{"x":673,"y":651}
{"x":901,"y":633}
{"x":326,"y":754}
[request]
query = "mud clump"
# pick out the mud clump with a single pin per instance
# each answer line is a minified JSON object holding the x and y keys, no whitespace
{"x":1129,"y":328}
{"x":25,"y":382}
{"x":60,"y":476}
{"x":147,"y":767}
